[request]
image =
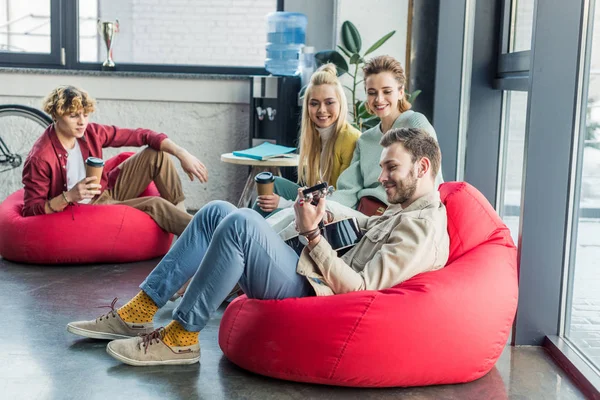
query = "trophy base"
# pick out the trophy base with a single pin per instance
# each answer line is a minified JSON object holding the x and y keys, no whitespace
{"x":108,"y":67}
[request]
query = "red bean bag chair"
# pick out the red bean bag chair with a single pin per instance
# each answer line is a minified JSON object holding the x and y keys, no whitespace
{"x":91,"y":234}
{"x":441,"y":327}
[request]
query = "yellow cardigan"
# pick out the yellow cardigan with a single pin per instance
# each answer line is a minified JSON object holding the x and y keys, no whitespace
{"x":343,"y":150}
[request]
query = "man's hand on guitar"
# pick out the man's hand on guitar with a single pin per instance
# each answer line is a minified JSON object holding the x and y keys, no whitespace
{"x":308,"y":215}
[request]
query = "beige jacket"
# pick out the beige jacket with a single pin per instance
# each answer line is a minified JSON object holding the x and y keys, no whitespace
{"x":397,"y":246}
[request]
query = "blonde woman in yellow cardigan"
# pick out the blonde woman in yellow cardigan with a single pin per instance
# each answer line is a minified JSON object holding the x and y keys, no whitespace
{"x":327,"y":140}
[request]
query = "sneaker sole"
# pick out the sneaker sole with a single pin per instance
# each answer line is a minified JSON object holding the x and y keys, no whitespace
{"x":94,"y":334}
{"x":138,"y":363}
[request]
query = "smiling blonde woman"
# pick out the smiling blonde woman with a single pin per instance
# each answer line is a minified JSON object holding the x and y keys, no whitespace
{"x":327,"y":140}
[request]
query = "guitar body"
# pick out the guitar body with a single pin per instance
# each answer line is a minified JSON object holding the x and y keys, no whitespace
{"x":342,"y":235}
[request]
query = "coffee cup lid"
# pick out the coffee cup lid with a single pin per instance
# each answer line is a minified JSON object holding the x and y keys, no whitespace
{"x":264,"y":177}
{"x":94,"y":162}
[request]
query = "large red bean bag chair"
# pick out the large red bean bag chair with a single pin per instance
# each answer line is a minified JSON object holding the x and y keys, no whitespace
{"x":90,"y":234}
{"x":441,"y":327}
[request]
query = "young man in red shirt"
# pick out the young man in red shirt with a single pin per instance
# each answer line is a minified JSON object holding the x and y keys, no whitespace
{"x":54,"y":173}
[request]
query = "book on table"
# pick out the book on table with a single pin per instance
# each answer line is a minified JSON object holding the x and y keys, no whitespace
{"x":266,"y":151}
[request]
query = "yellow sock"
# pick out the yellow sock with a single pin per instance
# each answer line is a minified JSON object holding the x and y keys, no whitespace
{"x":139,"y":309}
{"x":175,"y":335}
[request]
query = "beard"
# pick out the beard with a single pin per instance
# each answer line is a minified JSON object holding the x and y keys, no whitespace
{"x":404,"y":189}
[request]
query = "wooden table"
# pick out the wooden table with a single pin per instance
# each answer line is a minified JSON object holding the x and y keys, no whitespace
{"x":272,"y":165}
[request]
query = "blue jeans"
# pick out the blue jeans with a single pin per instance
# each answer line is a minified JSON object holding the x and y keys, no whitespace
{"x":219,"y":248}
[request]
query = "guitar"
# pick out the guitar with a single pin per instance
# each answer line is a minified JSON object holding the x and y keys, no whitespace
{"x":342,"y":235}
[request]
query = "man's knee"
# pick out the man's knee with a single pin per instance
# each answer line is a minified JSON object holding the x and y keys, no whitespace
{"x":241,"y":218}
{"x":215,"y":209}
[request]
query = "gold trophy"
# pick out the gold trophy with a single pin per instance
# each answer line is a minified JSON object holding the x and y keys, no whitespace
{"x":108,"y":30}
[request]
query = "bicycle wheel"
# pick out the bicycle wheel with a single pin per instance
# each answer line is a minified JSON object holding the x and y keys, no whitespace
{"x":20,"y":127}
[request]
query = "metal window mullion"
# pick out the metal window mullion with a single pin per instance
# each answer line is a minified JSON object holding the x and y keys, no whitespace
{"x":549,"y":134}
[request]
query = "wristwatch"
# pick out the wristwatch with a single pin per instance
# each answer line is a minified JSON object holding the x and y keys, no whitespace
{"x":304,"y":239}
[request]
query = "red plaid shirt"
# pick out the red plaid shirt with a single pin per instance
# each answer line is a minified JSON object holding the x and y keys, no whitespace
{"x":45,"y":169}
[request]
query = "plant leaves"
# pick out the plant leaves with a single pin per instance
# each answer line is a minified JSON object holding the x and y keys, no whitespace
{"x":350,"y":37}
{"x":411,"y":97}
{"x":302,"y":91}
{"x":323,"y":57}
{"x":380,"y":42}
{"x":346,"y":52}
{"x":362,"y":110}
{"x":355,"y":59}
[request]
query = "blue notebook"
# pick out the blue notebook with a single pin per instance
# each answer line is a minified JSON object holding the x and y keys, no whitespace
{"x":264,"y":151}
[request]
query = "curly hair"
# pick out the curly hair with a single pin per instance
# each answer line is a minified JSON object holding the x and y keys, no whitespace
{"x":66,"y":100}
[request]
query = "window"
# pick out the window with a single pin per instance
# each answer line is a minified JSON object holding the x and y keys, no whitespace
{"x":226,"y":32}
{"x":25,"y":26}
{"x":582,"y":322}
{"x":512,"y":154}
{"x":226,"y":36}
{"x":521,"y":25}
{"x":30,"y":32}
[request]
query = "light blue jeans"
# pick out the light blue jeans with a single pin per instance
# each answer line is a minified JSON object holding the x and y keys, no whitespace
{"x":220,"y":247}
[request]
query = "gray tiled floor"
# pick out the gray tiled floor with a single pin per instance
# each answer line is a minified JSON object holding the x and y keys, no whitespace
{"x":40,"y":360}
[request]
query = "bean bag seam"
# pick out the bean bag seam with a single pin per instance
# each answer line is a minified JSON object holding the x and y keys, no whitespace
{"x":112,"y":250}
{"x":233,"y":324}
{"x":354,"y":329}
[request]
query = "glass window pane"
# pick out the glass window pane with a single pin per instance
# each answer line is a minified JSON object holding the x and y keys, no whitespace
{"x":514,"y":148}
{"x":25,"y":26}
{"x":583,"y":297}
{"x":228,"y":32}
{"x":522,"y":25}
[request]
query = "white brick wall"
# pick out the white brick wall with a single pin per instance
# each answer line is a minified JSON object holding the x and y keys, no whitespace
{"x":207,"y":32}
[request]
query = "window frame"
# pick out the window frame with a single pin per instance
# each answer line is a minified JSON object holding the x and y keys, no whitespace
{"x":64,"y":19}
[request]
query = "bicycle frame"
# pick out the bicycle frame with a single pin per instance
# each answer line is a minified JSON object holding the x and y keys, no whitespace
{"x":6,"y":157}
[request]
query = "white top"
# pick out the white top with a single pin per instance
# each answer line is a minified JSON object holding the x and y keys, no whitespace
{"x":326,"y":134}
{"x":75,"y":169}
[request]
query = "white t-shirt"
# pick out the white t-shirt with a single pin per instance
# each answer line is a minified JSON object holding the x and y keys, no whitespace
{"x":75,"y":169}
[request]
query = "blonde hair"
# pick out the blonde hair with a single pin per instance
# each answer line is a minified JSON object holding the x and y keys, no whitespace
{"x":66,"y":100}
{"x":389,"y":64}
{"x":309,"y":167}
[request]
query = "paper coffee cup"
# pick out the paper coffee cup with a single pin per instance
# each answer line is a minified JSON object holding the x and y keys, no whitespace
{"x":94,"y":167}
{"x":264,"y":183}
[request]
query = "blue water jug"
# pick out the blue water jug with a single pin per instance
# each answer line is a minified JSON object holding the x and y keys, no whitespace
{"x":286,"y":34}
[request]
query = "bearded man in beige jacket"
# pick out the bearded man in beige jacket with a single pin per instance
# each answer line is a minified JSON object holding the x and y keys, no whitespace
{"x":411,"y":237}
{"x":223,"y":246}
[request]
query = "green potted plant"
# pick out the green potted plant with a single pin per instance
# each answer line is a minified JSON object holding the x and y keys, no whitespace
{"x":350,"y":49}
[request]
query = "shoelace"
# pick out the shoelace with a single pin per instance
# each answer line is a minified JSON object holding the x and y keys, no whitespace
{"x":112,"y":309}
{"x":155,"y":335}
